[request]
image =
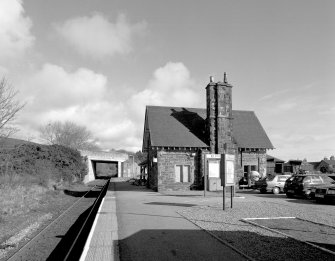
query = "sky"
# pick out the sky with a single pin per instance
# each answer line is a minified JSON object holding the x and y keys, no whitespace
{"x":99,"y":63}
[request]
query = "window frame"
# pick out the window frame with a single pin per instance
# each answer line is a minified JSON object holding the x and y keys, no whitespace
{"x":181,"y":177}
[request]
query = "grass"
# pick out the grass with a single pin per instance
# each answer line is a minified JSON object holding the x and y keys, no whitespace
{"x":20,"y":198}
{"x":25,"y":207}
{"x":32,"y":179}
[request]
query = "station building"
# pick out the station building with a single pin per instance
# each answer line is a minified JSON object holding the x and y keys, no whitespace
{"x":177,"y":140}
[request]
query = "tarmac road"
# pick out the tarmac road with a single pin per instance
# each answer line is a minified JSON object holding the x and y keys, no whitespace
{"x":150,"y":229}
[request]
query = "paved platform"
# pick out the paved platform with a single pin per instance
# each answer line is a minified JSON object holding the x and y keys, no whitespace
{"x":135,"y":223}
{"x":103,"y":239}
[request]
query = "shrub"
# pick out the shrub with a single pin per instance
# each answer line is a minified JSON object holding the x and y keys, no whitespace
{"x":45,"y":163}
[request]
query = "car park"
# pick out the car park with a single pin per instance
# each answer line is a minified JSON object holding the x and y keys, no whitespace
{"x":305,"y":185}
{"x":272,"y":184}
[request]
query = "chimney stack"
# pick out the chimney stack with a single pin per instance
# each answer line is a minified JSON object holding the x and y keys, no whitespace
{"x":219,"y":116}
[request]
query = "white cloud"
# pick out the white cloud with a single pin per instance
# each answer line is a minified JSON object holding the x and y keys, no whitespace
{"x":97,"y":37}
{"x":52,"y":87}
{"x":171,"y":85}
{"x":86,"y":98}
{"x":15,"y":35}
{"x":274,"y":95}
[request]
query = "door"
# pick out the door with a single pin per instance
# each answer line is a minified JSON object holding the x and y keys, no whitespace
{"x":247,"y":171}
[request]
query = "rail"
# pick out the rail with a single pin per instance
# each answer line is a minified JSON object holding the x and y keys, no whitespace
{"x":75,"y":248}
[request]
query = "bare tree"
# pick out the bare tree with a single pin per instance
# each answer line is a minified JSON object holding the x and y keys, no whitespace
{"x":68,"y":134}
{"x":9,"y":107}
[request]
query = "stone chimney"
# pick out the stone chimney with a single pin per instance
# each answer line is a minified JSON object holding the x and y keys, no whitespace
{"x":219,"y":116}
{"x":332,"y":157}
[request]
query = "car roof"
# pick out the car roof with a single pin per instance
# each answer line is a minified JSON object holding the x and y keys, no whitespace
{"x":307,"y":175}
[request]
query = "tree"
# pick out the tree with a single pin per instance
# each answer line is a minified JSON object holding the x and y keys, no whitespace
{"x":140,"y":156}
{"x":68,"y":134}
{"x":9,"y":107}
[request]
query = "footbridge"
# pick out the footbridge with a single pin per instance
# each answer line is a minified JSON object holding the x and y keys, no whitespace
{"x":94,"y":157}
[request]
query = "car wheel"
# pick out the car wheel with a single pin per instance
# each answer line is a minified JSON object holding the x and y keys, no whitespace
{"x":263,"y":191}
{"x":308,"y":194}
{"x":318,"y":200}
{"x":275,"y":190}
{"x":289,"y":195}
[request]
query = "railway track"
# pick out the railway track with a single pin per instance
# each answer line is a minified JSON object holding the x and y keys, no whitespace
{"x":64,"y":238}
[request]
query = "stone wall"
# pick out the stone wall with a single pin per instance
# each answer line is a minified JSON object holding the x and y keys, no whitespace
{"x":167,"y":161}
{"x":152,"y":171}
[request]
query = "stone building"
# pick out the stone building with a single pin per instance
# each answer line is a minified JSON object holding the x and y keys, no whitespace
{"x":177,"y":140}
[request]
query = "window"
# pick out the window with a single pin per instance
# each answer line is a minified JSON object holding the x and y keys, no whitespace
{"x":282,"y":178}
{"x":316,"y":179}
{"x":278,"y":168}
{"x":307,"y":180}
{"x":182,"y":173}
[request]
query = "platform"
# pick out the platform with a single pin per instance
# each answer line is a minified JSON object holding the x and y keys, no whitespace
{"x":102,"y":242}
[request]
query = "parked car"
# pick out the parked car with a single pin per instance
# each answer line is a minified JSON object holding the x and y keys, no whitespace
{"x":272,"y":184}
{"x":325,"y":193}
{"x":305,"y":185}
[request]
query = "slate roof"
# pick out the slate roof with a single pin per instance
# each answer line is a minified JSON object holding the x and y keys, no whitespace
{"x":185,"y":127}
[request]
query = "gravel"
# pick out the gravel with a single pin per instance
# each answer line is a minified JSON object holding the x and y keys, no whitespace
{"x":256,"y":242}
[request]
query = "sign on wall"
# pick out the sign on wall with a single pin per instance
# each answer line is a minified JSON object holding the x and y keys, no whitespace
{"x":213,"y":156}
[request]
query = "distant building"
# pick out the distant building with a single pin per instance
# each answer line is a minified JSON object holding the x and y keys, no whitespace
{"x":274,"y":165}
{"x":177,"y":140}
{"x":327,"y":165}
{"x":292,"y":166}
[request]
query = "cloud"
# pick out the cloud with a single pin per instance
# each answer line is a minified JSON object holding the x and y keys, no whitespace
{"x":327,"y":110}
{"x":52,"y":87}
{"x":97,"y":37}
{"x":286,"y":105}
{"x":15,"y":35}
{"x":81,"y":96}
{"x":87,"y":98}
{"x":273,"y":95}
{"x":171,"y":85}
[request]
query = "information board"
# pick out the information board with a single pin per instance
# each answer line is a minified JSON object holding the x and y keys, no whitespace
{"x":228,"y":170}
{"x":214,"y":169}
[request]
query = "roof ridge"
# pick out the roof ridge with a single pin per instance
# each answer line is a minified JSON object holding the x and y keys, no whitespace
{"x":186,"y":107}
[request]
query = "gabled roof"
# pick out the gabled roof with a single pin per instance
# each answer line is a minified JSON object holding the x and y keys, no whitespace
{"x":185,"y":127}
{"x":329,"y":162}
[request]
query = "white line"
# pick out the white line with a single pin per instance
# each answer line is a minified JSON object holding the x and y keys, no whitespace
{"x":266,"y":218}
{"x":88,"y":242}
{"x":219,"y":239}
{"x":287,"y":235}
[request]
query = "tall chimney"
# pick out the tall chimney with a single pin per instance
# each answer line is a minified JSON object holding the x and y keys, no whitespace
{"x":219,"y":117}
{"x":211,"y":114}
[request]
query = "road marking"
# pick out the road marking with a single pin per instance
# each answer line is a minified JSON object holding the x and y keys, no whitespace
{"x":266,"y":218}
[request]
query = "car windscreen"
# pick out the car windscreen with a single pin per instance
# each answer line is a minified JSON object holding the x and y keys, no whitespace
{"x":282,"y":178}
{"x":327,"y":179}
{"x":299,"y":178}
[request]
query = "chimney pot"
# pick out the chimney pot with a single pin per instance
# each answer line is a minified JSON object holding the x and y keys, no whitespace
{"x":225,"y":78}
{"x":211,"y":78}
